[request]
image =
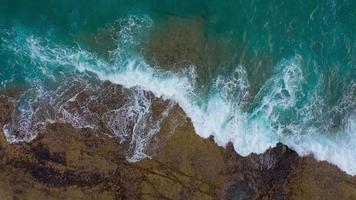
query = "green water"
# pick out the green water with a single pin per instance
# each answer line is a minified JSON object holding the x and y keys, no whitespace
{"x":286,"y":73}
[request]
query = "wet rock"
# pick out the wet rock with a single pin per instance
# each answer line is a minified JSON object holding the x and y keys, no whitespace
{"x":6,"y":108}
{"x":71,"y":163}
{"x":42,"y":153}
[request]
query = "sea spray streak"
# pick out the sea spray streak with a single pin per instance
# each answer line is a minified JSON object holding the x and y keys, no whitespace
{"x":220,"y":115}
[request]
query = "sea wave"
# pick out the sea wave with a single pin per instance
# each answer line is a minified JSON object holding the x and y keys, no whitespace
{"x":283,"y":112}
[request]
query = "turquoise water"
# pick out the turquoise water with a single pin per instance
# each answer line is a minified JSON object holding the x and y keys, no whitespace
{"x":289,"y":74}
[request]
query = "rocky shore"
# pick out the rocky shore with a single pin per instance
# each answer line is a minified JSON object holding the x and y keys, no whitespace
{"x":70,"y":163}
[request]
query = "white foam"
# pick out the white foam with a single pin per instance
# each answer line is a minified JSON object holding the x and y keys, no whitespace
{"x":219,"y":119}
{"x":218,"y":116}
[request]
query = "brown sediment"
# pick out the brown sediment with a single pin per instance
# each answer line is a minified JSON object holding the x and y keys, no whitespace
{"x":175,"y":43}
{"x":69,"y":163}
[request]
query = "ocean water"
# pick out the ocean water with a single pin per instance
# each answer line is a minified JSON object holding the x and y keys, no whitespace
{"x":286,"y":73}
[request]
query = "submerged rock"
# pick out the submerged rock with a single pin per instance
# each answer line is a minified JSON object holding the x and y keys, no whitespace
{"x":176,"y":43}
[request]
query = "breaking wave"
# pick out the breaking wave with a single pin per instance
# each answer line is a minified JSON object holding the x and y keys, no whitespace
{"x":282,"y":111}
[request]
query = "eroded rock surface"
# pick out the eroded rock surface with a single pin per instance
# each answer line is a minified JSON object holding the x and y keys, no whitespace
{"x":67,"y":161}
{"x":71,"y":163}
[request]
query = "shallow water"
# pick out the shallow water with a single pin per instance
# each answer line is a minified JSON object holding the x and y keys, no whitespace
{"x":254,"y":73}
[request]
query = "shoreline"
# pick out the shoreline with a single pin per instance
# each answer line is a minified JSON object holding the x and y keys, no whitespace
{"x":84,"y":162}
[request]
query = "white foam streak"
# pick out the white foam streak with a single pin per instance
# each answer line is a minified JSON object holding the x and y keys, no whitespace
{"x":215,"y":118}
{"x":219,"y":116}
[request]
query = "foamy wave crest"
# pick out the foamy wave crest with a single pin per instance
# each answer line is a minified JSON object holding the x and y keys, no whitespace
{"x":80,"y":99}
{"x":283,"y":112}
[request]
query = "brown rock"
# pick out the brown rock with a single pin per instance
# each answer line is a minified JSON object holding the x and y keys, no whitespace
{"x":69,"y":163}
